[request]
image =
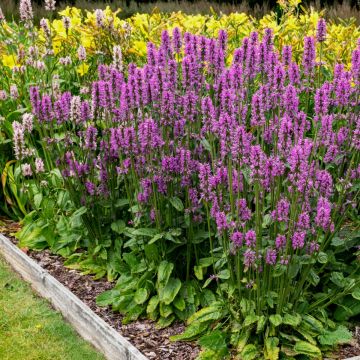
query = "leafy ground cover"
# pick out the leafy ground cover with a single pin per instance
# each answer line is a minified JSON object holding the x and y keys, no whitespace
{"x":30,"y":329}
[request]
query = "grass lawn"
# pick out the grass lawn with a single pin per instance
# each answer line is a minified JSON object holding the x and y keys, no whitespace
{"x":30,"y":329}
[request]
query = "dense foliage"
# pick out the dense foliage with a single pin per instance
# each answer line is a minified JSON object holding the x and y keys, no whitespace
{"x":216,"y":182}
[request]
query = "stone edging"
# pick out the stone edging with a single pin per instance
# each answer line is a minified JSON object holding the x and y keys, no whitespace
{"x":89,"y":325}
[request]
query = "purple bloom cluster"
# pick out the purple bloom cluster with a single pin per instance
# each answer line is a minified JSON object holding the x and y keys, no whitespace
{"x":252,"y":147}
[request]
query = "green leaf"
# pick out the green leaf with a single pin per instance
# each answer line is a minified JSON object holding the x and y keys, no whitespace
{"x":206,"y":144}
{"x":266,"y":221}
{"x":336,"y":241}
{"x":168,"y":293}
{"x":215,"y":341}
{"x":207,"y":282}
{"x":279,"y":270}
{"x":121,"y":203}
{"x":140,"y":296}
{"x":292,"y":320}
{"x":250,"y":352}
{"x":107,"y":297}
{"x":191,"y":332}
{"x":322,"y":258}
{"x":165,"y":310}
{"x":37,"y":200}
{"x":165,"y":322}
{"x":200,"y":236}
{"x":152,"y":305}
{"x":314,"y":277}
{"x":133,"y":314}
{"x":179,"y":303}
{"x":276,"y":319}
{"x":340,"y":336}
{"x":145,"y":232}
{"x":312,"y":325}
{"x":177,"y":203}
{"x":81,"y":211}
{"x":356,"y":293}
{"x":271,"y":348}
{"x":118,"y":226}
{"x":224,"y":274}
{"x":198,"y":271}
{"x":261,"y":324}
{"x":338,"y":279}
{"x":164,"y":271}
{"x":303,"y":347}
{"x":156,"y":238}
{"x":243,"y":339}
{"x":250,"y":319}
{"x":207,"y":298}
{"x":209,"y":313}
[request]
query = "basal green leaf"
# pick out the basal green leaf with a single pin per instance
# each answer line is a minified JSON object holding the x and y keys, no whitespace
{"x":340,"y":336}
{"x":250,"y":352}
{"x":243,"y":339}
{"x":207,"y":298}
{"x":261,"y":324}
{"x":171,"y":289}
{"x":191,"y":332}
{"x":250,"y":319}
{"x":179,"y":303}
{"x":293,"y":320}
{"x":303,"y":347}
{"x":215,"y":341}
{"x":165,"y":310}
{"x":118,"y":226}
{"x":107,"y":297}
{"x":152,"y":304}
{"x":209,"y":313}
{"x":271,"y":348}
{"x":141,"y":296}
{"x":276,"y":319}
{"x":165,"y":322}
{"x":164,"y":271}
{"x":312,"y":325}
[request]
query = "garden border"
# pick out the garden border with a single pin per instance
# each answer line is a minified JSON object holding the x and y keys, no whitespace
{"x":89,"y":325}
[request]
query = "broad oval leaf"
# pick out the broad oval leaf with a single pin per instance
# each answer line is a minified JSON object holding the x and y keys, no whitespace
{"x":140,"y":296}
{"x":168,"y":293}
{"x":177,"y":203}
{"x":303,"y":347}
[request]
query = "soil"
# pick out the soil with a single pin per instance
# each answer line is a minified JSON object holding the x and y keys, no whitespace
{"x":152,"y":342}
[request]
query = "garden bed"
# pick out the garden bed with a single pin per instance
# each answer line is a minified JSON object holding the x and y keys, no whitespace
{"x":152,"y":342}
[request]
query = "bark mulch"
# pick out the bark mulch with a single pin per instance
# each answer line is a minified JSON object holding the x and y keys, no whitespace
{"x":152,"y":342}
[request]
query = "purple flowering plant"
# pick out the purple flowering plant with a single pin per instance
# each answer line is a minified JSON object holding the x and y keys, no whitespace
{"x":221,"y":187}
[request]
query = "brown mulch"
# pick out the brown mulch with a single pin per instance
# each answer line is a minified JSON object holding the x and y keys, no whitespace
{"x":152,"y":342}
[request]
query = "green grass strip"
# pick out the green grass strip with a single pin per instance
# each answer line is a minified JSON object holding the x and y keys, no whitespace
{"x":31,"y":330}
